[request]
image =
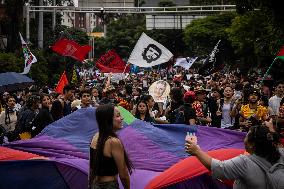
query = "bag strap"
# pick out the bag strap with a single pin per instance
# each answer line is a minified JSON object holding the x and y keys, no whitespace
{"x":264,"y":165}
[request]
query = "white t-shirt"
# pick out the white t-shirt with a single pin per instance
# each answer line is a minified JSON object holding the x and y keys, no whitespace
{"x":227,"y":120}
{"x":274,"y":103}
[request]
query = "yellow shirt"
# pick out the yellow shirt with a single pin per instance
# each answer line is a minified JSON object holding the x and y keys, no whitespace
{"x":260,"y":112}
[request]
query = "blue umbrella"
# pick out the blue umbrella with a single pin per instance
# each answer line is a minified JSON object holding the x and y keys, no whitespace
{"x":12,"y":81}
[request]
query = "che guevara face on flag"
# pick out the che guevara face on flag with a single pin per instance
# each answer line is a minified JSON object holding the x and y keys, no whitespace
{"x":151,"y":53}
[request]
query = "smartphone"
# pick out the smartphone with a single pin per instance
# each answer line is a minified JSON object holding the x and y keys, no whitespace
{"x":145,"y":83}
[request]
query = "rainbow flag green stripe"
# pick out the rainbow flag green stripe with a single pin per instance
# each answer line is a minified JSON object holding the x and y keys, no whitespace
{"x":127,"y":116}
{"x":280,"y":54}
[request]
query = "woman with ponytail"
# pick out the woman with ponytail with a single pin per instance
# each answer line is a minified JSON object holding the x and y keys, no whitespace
{"x":248,"y":170}
{"x":108,"y":159}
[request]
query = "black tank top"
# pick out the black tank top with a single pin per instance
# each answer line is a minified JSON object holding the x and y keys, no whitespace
{"x":106,"y":167}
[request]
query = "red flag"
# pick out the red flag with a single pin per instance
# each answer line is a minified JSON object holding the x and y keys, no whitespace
{"x":111,"y":62}
{"x":70,"y":48}
{"x":61,"y":84}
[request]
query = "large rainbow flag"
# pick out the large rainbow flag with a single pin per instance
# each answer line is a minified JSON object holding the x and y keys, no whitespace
{"x":59,"y":156}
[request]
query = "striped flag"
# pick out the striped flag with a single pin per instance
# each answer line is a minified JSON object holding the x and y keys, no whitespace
{"x":29,"y":57}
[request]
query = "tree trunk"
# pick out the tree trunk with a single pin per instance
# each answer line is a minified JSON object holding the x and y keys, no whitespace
{"x":14,"y":12}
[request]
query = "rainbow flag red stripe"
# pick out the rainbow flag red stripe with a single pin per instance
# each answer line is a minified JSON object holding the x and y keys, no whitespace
{"x":280,"y":54}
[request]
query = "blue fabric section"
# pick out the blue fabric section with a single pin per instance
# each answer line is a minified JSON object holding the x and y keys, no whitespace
{"x":33,"y":174}
{"x":77,"y":128}
{"x":170,"y":138}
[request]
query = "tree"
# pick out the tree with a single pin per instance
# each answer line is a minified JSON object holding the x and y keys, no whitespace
{"x":14,"y":13}
{"x":122,"y":35}
{"x":57,"y":63}
{"x":255,"y":38}
{"x":202,"y":34}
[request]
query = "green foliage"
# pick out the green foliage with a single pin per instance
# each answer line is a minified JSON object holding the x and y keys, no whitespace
{"x":253,"y":33}
{"x":171,"y":39}
{"x":255,"y":39}
{"x":39,"y":70}
{"x":201,"y":35}
{"x":10,"y":62}
{"x":98,"y":29}
{"x":122,"y":35}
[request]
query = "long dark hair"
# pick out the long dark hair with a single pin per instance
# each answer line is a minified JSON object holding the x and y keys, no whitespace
{"x":8,"y":111}
{"x":137,"y":113}
{"x":104,"y":115}
{"x":265,"y":143}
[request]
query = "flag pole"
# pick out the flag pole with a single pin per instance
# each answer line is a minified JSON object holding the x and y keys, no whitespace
{"x":125,"y":67}
{"x":266,"y":73}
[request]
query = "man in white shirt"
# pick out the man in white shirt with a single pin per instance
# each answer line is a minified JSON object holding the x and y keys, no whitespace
{"x":274,"y":101}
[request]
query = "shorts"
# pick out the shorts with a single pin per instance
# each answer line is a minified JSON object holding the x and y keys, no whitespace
{"x":105,"y":185}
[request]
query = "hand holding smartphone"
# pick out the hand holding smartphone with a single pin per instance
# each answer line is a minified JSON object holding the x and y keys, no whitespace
{"x":191,"y":137}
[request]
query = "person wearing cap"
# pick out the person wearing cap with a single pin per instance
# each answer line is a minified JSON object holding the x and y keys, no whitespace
{"x":252,"y":113}
{"x":185,"y":113}
{"x":109,"y":95}
{"x":200,"y":106}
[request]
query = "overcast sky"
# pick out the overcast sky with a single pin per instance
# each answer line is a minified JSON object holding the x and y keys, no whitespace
{"x":76,"y":3}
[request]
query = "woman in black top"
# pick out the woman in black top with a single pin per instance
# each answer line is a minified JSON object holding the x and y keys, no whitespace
{"x":108,"y":158}
{"x":143,"y":113}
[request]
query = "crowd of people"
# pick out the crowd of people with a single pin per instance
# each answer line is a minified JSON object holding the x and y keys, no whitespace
{"x":228,"y":101}
{"x":224,"y":100}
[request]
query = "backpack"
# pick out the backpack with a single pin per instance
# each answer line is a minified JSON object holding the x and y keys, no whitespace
{"x":274,"y":174}
{"x":179,"y":115}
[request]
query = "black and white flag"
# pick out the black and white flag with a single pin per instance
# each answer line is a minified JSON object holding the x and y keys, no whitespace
{"x":213,"y":62}
{"x":186,"y":63}
{"x":148,"y":52}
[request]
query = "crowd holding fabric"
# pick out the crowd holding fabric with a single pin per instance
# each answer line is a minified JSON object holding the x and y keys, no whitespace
{"x":152,"y":149}
{"x":175,"y":127}
{"x":66,"y":47}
